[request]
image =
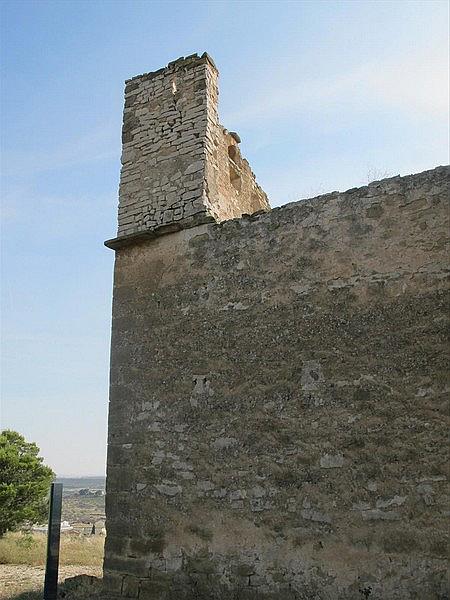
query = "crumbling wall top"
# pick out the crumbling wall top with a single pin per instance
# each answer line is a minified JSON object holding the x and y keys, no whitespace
{"x":176,"y":64}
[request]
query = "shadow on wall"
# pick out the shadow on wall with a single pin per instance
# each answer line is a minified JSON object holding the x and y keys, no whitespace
{"x":37,"y":595}
{"x":80,"y":587}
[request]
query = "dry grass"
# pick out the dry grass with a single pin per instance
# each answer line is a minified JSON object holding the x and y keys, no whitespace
{"x":23,"y":582}
{"x":25,"y":549}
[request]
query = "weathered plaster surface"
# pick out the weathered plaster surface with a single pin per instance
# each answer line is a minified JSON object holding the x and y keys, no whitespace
{"x":278,"y":405}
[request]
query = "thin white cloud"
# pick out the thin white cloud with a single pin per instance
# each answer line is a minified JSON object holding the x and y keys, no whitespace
{"x":415,"y":85}
{"x":101,"y":143}
{"x":55,"y":217}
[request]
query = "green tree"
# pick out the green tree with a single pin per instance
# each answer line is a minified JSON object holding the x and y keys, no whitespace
{"x":24,"y":482}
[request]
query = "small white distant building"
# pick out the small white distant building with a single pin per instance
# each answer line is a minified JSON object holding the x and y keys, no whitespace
{"x":65,"y":526}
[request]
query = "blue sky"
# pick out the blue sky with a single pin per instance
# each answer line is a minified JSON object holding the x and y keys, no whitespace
{"x":325,"y":96}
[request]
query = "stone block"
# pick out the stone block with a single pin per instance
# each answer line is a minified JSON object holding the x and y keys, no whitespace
{"x":130,"y":587}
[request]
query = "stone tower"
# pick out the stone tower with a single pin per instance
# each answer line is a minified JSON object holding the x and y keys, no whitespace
{"x":180,"y":167}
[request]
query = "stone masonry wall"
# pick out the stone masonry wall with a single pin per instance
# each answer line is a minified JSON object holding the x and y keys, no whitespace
{"x":278,"y":405}
{"x":171,"y":136}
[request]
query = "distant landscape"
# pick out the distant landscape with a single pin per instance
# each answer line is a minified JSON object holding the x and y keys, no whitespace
{"x":22,"y":555}
{"x":82,"y":508}
{"x":74,"y":483}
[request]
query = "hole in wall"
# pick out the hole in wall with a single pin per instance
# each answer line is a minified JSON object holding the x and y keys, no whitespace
{"x":235,"y":177}
{"x":235,"y":172}
{"x":233,"y":153}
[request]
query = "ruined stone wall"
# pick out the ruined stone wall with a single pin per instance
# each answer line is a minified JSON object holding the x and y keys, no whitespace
{"x":278,"y":403}
{"x":175,"y":166}
{"x":231,"y":186}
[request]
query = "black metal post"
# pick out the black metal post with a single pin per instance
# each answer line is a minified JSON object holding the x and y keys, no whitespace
{"x":54,"y":532}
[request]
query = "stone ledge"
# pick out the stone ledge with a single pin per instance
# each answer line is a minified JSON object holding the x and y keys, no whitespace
{"x":139,"y":237}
